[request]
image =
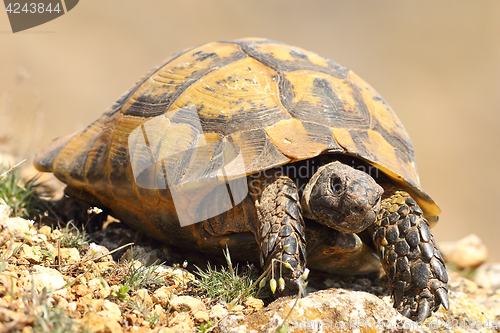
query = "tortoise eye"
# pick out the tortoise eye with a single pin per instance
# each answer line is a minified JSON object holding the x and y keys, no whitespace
{"x":336,"y":185}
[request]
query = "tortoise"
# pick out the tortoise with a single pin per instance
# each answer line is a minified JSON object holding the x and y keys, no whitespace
{"x":278,"y":153}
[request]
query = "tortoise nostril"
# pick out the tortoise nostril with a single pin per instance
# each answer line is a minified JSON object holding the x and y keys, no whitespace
{"x":357,"y":209}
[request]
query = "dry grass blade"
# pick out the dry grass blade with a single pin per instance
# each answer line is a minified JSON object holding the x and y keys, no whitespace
{"x":2,"y":176}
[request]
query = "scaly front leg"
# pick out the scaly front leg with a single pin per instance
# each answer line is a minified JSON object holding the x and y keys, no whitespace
{"x":410,"y":257}
{"x":281,"y":230}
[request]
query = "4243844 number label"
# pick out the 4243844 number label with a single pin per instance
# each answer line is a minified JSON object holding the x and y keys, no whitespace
{"x":28,"y":14}
{"x":467,"y":324}
{"x":32,"y":7}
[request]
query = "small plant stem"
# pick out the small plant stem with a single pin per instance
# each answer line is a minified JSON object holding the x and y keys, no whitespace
{"x":59,"y":254}
{"x":293,"y":306}
{"x":12,"y":168}
{"x":97,"y":258}
{"x":263,"y":275}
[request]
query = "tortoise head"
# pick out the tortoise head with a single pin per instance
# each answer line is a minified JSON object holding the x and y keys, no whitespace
{"x":342,"y":198}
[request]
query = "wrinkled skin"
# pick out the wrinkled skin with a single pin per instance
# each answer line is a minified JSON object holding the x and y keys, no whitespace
{"x":342,"y":198}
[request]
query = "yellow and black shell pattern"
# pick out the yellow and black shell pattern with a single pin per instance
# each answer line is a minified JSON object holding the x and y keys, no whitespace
{"x":277,"y":103}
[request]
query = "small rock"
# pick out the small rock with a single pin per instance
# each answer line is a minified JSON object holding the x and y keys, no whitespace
{"x":71,"y":307}
{"x":110,"y":310}
{"x":114,"y":288}
{"x":100,"y":287}
{"x":161,"y":296}
{"x":81,"y":290}
{"x":182,"y":322}
{"x":467,"y":310}
{"x":218,"y":311}
{"x":98,"y":253}
{"x":160,"y":311}
{"x":19,"y":226}
{"x":83,"y":302}
{"x":104,"y":292}
{"x":69,"y":255}
{"x":82,"y":280}
{"x":97,"y":323}
{"x":142,"y":297}
{"x":61,"y":302}
{"x":201,"y":316}
{"x":31,"y":254}
{"x":133,"y":319}
{"x":94,"y":284}
{"x":47,"y":277}
{"x":41,"y":238}
{"x":468,"y":252}
{"x":45,"y":230}
{"x":488,"y":276}
{"x":461,"y":284}
{"x":333,"y":306}
{"x":237,"y":310}
{"x":166,"y":330}
{"x":178,"y":276}
{"x":236,"y":324}
{"x":254,"y":304}
{"x":102,"y":266}
{"x":470,"y":287}
{"x":180,"y":303}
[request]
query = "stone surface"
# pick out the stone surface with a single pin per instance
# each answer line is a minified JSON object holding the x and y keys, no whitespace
{"x":186,"y":303}
{"x":45,"y":230}
{"x":98,"y":253}
{"x":94,"y":322}
{"x":488,"y":276}
{"x":47,"y":277}
{"x":201,"y":316}
{"x":466,"y":314}
{"x":254,"y":304}
{"x":162,"y":296}
{"x":218,"y":311}
{"x":333,"y":310}
{"x":69,"y":255}
{"x":31,"y":253}
{"x":468,"y":252}
{"x":110,"y":310}
{"x":19,"y":226}
{"x":360,"y":302}
{"x":182,"y":322}
{"x":236,"y":324}
{"x":142,"y":297}
{"x":179,"y":276}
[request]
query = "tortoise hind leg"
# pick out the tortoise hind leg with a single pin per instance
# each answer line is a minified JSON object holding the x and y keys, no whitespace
{"x":410,"y":257}
{"x":280,"y":233}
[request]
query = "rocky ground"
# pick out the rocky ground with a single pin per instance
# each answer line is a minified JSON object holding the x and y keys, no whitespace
{"x":52,"y":280}
{"x":47,"y":286}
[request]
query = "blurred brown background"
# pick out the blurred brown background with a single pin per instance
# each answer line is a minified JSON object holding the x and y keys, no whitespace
{"x":436,"y":62}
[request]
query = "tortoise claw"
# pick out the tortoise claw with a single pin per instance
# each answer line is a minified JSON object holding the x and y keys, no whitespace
{"x":406,"y":312}
{"x":399,"y":291}
{"x":443,"y":297}
{"x":423,"y":310}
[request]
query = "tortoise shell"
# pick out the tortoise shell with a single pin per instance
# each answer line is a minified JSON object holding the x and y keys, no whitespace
{"x":276,"y":103}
